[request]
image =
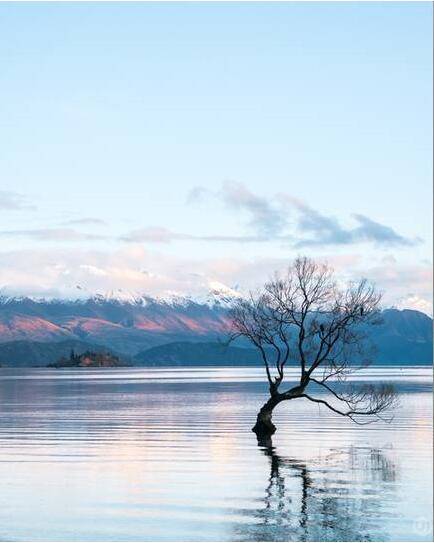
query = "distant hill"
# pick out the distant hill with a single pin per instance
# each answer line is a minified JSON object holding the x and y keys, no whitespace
{"x":185,"y":353}
{"x":35,"y":353}
{"x":214,"y":354}
{"x":38,"y":332}
{"x":405,"y":337}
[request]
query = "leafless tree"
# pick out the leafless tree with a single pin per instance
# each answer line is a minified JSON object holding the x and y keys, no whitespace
{"x":306,"y":319}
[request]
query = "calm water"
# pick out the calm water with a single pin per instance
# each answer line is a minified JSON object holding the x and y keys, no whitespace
{"x":168,"y":455}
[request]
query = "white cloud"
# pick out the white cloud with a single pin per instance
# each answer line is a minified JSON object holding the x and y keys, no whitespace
{"x":86,"y":221}
{"x":273,"y":218}
{"x":404,"y":285}
{"x":10,"y":200}
{"x":51,"y":234}
{"x":413,"y":301}
{"x":79,"y":273}
{"x":93,"y":270}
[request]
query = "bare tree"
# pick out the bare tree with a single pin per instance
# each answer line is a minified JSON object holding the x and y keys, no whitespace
{"x":305,"y":319}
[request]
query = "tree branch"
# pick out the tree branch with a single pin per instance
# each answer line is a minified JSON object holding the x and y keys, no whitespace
{"x":350,"y":413}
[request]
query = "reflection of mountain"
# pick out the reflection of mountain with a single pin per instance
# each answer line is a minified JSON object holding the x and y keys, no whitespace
{"x":308,"y":501}
{"x":136,"y":325}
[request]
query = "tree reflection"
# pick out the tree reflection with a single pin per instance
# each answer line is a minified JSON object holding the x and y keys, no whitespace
{"x":336,"y":498}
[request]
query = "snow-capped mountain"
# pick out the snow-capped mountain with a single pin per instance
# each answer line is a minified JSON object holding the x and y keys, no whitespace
{"x":129,"y":322}
{"x":218,"y":294}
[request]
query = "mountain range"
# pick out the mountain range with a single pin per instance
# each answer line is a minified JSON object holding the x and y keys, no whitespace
{"x":145,"y":330}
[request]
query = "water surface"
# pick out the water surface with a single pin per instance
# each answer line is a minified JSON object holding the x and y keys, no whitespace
{"x":167,"y":454}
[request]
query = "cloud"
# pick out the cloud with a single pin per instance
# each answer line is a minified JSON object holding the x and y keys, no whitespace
{"x":153,"y":235}
{"x":52,"y":234}
{"x":327,"y":230}
{"x":93,"y":270}
{"x":75,"y":272}
{"x":13,"y":201}
{"x":266,"y":217}
{"x":404,"y":285}
{"x":78,"y":273}
{"x":86,"y":221}
{"x":370,"y":230}
{"x":269,"y":219}
{"x":163,"y":235}
{"x":413,"y":301}
{"x":197,"y":194}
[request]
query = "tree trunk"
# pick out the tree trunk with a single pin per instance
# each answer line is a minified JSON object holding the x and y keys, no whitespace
{"x":264,"y":426}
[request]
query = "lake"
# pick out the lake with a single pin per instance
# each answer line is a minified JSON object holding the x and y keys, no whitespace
{"x":168,"y":455}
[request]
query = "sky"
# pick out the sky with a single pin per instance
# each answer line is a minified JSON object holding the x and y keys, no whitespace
{"x":168,"y":148}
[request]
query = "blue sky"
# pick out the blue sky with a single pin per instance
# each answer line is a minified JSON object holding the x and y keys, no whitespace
{"x":168,"y":147}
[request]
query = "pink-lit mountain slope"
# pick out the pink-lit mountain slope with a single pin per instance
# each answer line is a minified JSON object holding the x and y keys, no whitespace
{"x":131,"y":326}
{"x":126,"y":326}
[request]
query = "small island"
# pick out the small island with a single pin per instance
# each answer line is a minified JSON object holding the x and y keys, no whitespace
{"x":89,"y":359}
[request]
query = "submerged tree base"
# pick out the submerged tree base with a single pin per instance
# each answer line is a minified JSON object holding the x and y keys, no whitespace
{"x":263,"y":430}
{"x":264,"y":427}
